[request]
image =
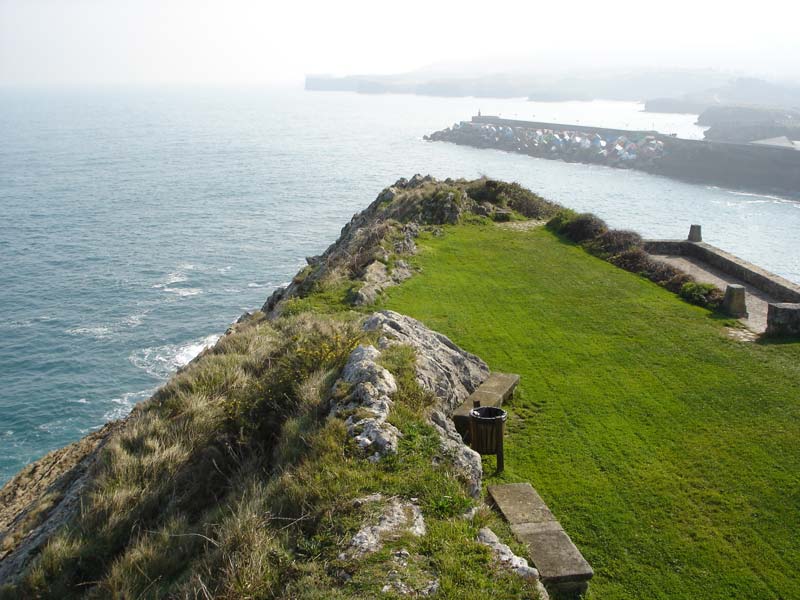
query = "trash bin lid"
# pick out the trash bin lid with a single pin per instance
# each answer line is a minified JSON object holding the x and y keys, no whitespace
{"x":488,"y":413}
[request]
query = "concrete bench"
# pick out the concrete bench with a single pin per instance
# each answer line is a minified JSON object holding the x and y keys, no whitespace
{"x":497,"y":388}
{"x":562,"y":567}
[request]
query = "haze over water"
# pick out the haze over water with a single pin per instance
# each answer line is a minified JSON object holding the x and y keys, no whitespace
{"x":139,"y":223}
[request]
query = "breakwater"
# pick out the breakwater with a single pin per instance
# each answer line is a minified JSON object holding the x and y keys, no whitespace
{"x":734,"y":165}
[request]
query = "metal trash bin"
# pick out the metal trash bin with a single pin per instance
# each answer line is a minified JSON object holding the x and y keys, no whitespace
{"x":486,"y":429}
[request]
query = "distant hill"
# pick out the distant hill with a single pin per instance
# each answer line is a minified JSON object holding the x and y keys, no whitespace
{"x":749,"y":123}
{"x":743,"y":91}
{"x":528,"y":83}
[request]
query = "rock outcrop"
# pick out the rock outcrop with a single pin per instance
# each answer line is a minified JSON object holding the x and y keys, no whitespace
{"x":443,"y":368}
{"x":369,"y":389}
{"x":396,"y":518}
{"x":446,"y":371}
{"x":362,"y":395}
{"x":506,"y":558}
{"x":42,"y":497}
{"x":372,"y":249}
{"x":377,"y":278}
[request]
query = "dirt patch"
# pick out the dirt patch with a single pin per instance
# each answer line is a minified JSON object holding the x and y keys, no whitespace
{"x":740,"y":334}
{"x":521,"y":225}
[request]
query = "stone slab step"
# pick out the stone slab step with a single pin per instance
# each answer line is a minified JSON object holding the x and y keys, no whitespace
{"x":520,"y":503}
{"x":555,"y":555}
{"x":497,"y":388}
{"x":561,"y":565}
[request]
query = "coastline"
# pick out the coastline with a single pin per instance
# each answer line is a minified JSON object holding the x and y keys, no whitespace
{"x":336,"y":296}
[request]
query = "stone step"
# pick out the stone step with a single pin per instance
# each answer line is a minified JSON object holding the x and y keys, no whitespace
{"x":497,"y":388}
{"x":561,"y":565}
{"x":520,"y":503}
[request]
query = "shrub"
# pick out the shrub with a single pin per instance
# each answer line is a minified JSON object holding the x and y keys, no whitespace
{"x":513,"y":196}
{"x":613,"y":242}
{"x":634,"y":260}
{"x":702,"y":294}
{"x":659,"y":272}
{"x":560,"y":220}
{"x":675,"y":284}
{"x":583,"y":227}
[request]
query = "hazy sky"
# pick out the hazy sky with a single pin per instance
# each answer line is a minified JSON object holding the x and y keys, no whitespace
{"x":246,"y":41}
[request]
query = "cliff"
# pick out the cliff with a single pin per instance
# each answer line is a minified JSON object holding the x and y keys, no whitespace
{"x":309,"y":454}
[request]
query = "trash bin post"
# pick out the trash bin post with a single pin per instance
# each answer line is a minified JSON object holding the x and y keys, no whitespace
{"x":500,"y":462}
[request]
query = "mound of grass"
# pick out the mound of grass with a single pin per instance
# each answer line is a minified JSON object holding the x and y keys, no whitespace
{"x":233,"y":483}
{"x":667,"y":450}
{"x":513,"y":196}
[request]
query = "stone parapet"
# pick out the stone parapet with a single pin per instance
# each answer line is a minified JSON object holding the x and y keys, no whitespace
{"x":769,"y":283}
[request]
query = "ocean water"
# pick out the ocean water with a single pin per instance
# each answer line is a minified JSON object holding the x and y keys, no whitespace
{"x":137,"y":224}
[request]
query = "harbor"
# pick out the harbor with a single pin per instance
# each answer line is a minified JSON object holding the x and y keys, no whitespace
{"x":745,"y":166}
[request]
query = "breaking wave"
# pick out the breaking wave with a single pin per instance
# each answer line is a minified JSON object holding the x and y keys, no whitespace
{"x":163,"y":361}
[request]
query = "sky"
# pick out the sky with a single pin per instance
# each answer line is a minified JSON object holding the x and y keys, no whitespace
{"x":77,"y":42}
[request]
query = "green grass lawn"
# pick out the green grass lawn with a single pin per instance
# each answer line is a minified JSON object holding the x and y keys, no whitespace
{"x":670,"y":453}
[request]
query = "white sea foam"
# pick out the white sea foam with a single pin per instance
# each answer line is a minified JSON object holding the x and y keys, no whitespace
{"x":134,"y":320}
{"x":172,"y":278}
{"x":124,"y":404}
{"x":99,"y":332}
{"x":766,"y":197}
{"x":162,"y":361}
{"x":184,"y":292}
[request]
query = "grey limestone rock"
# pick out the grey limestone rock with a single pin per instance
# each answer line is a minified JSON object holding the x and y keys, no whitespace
{"x":506,"y":557}
{"x":370,"y":389}
{"x":443,"y":368}
{"x":397,"y":517}
{"x":376,"y":278}
{"x":448,"y":372}
{"x":387,"y":195}
{"x":466,"y":460}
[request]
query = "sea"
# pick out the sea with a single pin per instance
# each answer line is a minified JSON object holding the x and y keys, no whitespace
{"x":139,"y":222}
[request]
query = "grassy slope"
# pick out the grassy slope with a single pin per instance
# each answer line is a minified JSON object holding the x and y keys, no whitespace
{"x":667,"y":451}
{"x":232,"y":484}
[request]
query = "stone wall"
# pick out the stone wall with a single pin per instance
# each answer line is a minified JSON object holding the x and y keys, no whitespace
{"x":779,"y":288}
{"x":783,"y":319}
